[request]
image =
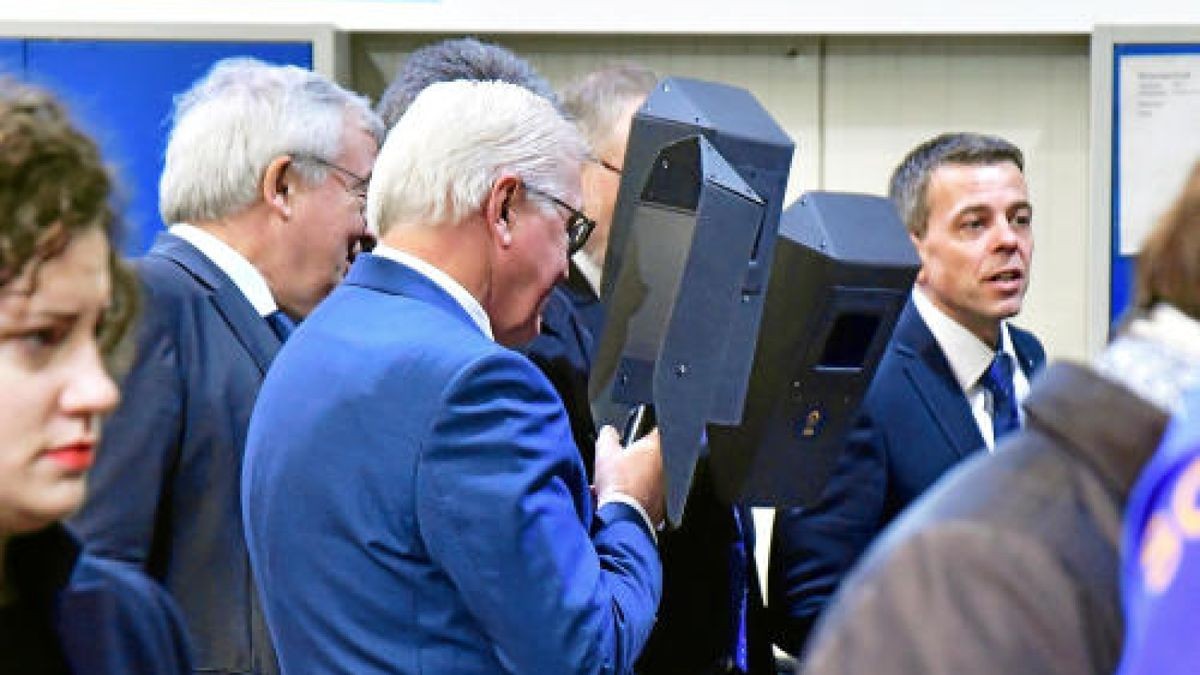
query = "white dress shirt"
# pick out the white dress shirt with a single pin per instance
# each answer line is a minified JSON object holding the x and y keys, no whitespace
{"x":591,"y":272}
{"x":443,"y":281}
{"x":969,"y":359}
{"x":244,"y":275}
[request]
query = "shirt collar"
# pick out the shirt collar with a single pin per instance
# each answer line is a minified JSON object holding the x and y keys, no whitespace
{"x":968,"y":356}
{"x":443,"y":281}
{"x":244,"y":275}
{"x":589,"y":269}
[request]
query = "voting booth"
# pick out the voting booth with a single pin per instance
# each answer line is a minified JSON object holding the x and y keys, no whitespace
{"x":752,"y":340}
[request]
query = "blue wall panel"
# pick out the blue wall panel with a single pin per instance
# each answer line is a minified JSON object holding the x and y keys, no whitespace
{"x":12,"y":57}
{"x":121,"y":93}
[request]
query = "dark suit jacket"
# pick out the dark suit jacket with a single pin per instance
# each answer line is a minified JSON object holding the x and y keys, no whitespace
{"x":164,"y":491}
{"x":106,"y":617}
{"x":915,"y":423}
{"x":697,"y":618}
{"x":414,"y":502}
{"x":585,"y":301}
{"x":564,"y":351}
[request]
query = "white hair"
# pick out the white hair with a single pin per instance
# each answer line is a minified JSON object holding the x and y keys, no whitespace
{"x":238,"y":118}
{"x":454,"y":142}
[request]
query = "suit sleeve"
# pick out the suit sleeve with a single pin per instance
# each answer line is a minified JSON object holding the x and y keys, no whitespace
{"x":958,"y":598}
{"x":139,"y":447}
{"x":812,"y":548}
{"x":502,"y":506}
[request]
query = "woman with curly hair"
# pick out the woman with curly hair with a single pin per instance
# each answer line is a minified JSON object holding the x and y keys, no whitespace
{"x":65,"y":301}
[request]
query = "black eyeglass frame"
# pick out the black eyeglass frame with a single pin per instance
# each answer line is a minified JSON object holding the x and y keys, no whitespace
{"x":579,"y":225}
{"x":611,"y":167}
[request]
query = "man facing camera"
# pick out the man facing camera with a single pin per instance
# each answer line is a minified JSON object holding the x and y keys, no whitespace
{"x":263,"y":190}
{"x":414,"y":501}
{"x":1011,"y":564}
{"x":951,"y":379}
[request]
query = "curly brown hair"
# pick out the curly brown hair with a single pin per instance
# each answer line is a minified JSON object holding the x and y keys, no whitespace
{"x":53,"y":186}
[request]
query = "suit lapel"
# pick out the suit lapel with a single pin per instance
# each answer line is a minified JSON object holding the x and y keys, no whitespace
{"x":1029,"y":351}
{"x":933,"y":381}
{"x":388,"y":276}
{"x":250,"y":329}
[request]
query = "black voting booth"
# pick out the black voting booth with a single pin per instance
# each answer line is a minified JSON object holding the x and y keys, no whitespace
{"x":753,"y":341}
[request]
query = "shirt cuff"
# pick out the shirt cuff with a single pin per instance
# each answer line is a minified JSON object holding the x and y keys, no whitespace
{"x":622,"y":498}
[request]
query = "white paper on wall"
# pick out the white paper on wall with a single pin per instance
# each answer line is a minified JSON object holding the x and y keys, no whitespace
{"x":1159,"y":139}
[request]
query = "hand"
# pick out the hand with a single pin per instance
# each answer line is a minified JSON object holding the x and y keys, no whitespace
{"x":636,"y":471}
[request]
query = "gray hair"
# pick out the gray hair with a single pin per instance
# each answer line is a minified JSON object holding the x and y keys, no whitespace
{"x":597,"y":100}
{"x":457,"y":138}
{"x":458,"y":59}
{"x":238,"y":118}
{"x":909,"y":185}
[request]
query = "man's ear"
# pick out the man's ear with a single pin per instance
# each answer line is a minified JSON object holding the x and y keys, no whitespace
{"x":497,"y":208}
{"x":916,"y":242}
{"x":276,"y":186}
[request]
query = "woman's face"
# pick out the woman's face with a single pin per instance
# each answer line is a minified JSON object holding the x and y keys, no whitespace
{"x":53,"y":385}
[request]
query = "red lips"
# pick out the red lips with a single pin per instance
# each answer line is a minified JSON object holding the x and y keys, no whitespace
{"x":74,"y":457}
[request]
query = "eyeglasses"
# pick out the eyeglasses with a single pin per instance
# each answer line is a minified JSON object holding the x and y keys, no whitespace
{"x":357,"y":187}
{"x":605,"y":163}
{"x":579,"y":226}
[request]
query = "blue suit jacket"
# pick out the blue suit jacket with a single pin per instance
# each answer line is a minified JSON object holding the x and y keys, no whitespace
{"x":914,"y":424}
{"x":164,"y":493}
{"x":414,"y":503}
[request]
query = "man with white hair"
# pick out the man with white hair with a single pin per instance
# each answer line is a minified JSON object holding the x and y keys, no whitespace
{"x":263,"y":190}
{"x":414,"y":502}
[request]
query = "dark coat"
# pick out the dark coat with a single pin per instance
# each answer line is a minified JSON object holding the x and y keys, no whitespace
{"x":914,"y":425}
{"x":1011,"y":563}
{"x":90,"y":615}
{"x":164,"y":493}
{"x":564,"y":351}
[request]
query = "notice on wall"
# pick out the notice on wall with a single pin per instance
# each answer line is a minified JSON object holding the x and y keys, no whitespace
{"x":1159,"y":130}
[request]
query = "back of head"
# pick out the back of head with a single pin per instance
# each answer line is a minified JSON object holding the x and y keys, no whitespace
{"x":910,"y":180}
{"x":455,"y":141}
{"x":53,"y":186}
{"x":1168,"y":267}
{"x":52,"y":180}
{"x":458,"y":59}
{"x":237,"y":118}
{"x":598,"y":100}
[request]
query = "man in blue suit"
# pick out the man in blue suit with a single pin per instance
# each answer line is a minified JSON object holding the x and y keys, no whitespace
{"x":413,"y":500}
{"x":563,"y":348}
{"x":263,"y":188}
{"x":932,"y":403}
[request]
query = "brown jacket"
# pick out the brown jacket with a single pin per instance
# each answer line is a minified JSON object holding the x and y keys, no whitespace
{"x":1010,"y":563}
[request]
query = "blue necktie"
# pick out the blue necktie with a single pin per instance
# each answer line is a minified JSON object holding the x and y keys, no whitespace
{"x":999,"y":381}
{"x":281,"y":324}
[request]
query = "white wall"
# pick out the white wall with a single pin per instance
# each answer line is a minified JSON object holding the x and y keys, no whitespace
{"x":855,"y":105}
{"x":757,"y":17}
